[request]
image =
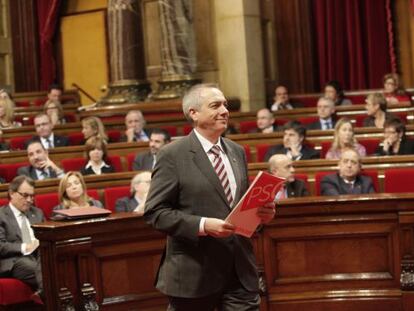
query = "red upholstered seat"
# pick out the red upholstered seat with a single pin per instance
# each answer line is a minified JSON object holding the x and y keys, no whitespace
{"x":261,"y":150}
{"x":76,"y":138}
{"x":309,"y":101}
{"x":325,"y":146}
{"x":370,"y":144}
{"x":73,"y":164}
{"x":23,"y":103}
{"x":113,"y":194}
{"x":247,"y":126}
{"x":39,"y":102}
{"x":187,"y":129}
{"x":371,"y":173}
{"x":114,"y":136}
{"x":46,"y":202}
{"x":115,"y":161}
{"x":13,"y":291}
{"x":4,"y":201}
{"x":172,"y":130}
{"x":17,"y":143}
{"x":93,"y":193}
{"x":399,"y":180}
{"x":9,"y":171}
{"x":130,"y":160}
{"x":70,"y":117}
{"x":247,"y":152}
{"x":307,"y":120}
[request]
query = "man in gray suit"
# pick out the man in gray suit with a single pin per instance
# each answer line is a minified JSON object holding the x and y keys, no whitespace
{"x":145,"y":161}
{"x":348,"y":180}
{"x":205,"y":265}
{"x":41,"y":167}
{"x":18,"y":245}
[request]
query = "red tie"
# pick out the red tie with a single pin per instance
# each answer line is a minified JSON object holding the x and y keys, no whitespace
{"x":221,"y":172}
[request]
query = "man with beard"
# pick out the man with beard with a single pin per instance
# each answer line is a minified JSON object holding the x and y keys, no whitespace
{"x":145,"y":161}
{"x":41,"y":167}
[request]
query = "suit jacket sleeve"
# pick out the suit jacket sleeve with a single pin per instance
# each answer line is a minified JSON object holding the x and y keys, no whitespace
{"x":329,"y":186}
{"x":7,"y":248}
{"x":161,"y":206}
{"x":121,"y":205}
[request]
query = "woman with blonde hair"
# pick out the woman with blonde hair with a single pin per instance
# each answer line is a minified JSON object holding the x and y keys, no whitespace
{"x":72,"y":193}
{"x":344,"y":139}
{"x":93,"y":127}
{"x":7,"y":114}
{"x":54,"y":110}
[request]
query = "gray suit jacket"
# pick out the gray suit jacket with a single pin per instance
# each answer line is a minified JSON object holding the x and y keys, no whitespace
{"x":143,"y":162}
{"x":10,"y":236}
{"x":126,"y":204}
{"x":30,"y":171}
{"x":333,"y":184}
{"x":184,"y":188}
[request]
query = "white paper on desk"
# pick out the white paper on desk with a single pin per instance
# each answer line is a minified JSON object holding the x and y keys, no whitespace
{"x":262,"y":190}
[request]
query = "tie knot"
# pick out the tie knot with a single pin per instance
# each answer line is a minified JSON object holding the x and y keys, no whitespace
{"x":215,"y":150}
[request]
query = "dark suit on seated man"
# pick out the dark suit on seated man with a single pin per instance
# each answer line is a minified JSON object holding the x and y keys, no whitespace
{"x":205,"y":265}
{"x":326,"y":114}
{"x":18,"y":246}
{"x":41,"y":167}
{"x":44,"y":130}
{"x":281,"y":166}
{"x":348,"y":180}
{"x":145,"y":161}
{"x":139,"y":190}
{"x":294,"y":134}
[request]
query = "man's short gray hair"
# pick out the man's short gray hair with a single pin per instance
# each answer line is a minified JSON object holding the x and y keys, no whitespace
{"x":192,"y":99}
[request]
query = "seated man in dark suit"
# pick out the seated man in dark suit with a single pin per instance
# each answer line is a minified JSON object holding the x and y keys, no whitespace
{"x":348,"y":179}
{"x":18,"y":246}
{"x":281,"y":166}
{"x":265,"y":122}
{"x":41,"y":167}
{"x":294,"y":134}
{"x":326,"y":114}
{"x":135,"y":123}
{"x":281,"y":100}
{"x":139,"y":189}
{"x":44,"y":130}
{"x":145,"y":161}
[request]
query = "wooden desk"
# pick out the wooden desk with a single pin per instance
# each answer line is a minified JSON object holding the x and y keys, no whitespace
{"x":342,"y":253}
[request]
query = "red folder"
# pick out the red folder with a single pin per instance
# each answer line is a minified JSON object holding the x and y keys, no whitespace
{"x":262,"y":190}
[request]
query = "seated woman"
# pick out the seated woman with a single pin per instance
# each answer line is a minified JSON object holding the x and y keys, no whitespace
{"x":55,"y":112}
{"x":93,"y":127}
{"x":96,"y":153}
{"x":393,"y":92}
{"x":395,"y":142}
{"x":72,"y":193}
{"x":139,"y":190}
{"x":344,"y":139}
{"x":334,"y":91}
{"x":376,"y":106}
{"x":7,"y":114}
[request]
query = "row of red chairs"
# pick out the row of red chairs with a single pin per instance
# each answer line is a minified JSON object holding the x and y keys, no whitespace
{"x":249,"y":126}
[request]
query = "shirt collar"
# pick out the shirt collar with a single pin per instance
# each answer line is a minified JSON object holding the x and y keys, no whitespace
{"x":43,"y":139}
{"x":103,"y":164}
{"x":17,"y":213}
{"x":205,"y":143}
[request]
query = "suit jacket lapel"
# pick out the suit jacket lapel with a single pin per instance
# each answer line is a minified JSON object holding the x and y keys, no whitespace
{"x":13,"y":222}
{"x":203,"y":163}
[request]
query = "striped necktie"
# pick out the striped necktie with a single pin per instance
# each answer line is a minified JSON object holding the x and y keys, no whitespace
{"x":221,"y":172}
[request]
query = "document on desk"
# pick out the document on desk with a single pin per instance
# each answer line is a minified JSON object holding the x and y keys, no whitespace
{"x":262,"y":190}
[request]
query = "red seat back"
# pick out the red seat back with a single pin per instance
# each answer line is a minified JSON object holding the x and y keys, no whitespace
{"x":115,"y":161}
{"x":248,"y":153}
{"x":73,"y":164}
{"x":76,"y":138}
{"x":114,"y":136}
{"x":247,"y":126}
{"x":46,"y":202}
{"x":187,"y":129}
{"x":399,"y":180}
{"x":130,"y":160}
{"x":9,"y":171}
{"x":370,"y":144}
{"x":325,"y":146}
{"x":4,"y":201}
{"x":307,"y":120}
{"x":17,"y":143}
{"x":172,"y":130}
{"x":93,"y":193}
{"x":261,"y":150}
{"x":111,"y":195}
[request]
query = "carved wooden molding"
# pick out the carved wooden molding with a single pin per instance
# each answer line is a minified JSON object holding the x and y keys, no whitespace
{"x":88,"y":297}
{"x":66,"y":300}
{"x":407,"y":275}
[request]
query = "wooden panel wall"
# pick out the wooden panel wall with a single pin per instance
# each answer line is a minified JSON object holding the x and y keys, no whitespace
{"x":23,"y":16}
